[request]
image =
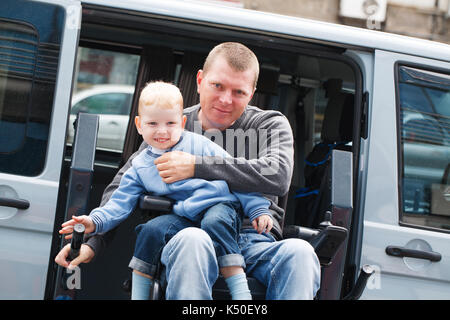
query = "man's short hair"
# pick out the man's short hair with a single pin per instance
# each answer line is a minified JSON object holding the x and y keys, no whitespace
{"x":238,"y":56}
{"x":163,"y":94}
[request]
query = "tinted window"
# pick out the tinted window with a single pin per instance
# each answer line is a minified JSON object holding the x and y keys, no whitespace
{"x":425,"y":146}
{"x":104,"y":85}
{"x":28,"y":66}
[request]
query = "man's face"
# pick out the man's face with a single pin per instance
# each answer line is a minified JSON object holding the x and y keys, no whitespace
{"x":160,"y":128}
{"x":224,"y":94}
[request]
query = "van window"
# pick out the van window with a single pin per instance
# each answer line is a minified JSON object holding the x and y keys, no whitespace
{"x":424,"y":98}
{"x":104,"y":85}
{"x":28,"y":66}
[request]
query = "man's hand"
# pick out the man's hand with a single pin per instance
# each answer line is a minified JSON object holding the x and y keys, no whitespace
{"x":263,"y":223}
{"x":175,"y":166}
{"x":85,"y":256}
{"x":67,"y":227}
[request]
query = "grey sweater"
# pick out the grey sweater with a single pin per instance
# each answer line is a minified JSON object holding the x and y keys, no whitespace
{"x":261,"y":143}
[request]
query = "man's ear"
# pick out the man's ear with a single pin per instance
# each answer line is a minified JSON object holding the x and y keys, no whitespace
{"x":199,"y":79}
{"x":137,"y":122}
{"x":253,"y":92}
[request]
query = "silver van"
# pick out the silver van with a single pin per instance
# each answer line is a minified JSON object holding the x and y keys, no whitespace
{"x":389,"y":93}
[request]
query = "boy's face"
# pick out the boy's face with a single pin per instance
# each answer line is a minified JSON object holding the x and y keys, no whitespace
{"x":160,"y":128}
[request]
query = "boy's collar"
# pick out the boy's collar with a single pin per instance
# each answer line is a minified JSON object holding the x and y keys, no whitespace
{"x":156,"y":150}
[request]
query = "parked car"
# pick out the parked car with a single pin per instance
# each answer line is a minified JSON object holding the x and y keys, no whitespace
{"x":112,"y":102}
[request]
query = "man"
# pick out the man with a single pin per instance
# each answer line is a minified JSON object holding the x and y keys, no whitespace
{"x":288,"y":268}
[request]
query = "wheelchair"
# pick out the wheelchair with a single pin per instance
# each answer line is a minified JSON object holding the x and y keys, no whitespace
{"x":328,"y":241}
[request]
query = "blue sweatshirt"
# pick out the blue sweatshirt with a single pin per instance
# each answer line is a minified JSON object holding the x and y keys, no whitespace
{"x":192,"y":196}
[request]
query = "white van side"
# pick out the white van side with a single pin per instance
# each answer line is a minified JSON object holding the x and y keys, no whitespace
{"x":392,"y":93}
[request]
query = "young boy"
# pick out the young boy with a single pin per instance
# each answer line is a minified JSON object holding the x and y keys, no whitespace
{"x":161,"y":124}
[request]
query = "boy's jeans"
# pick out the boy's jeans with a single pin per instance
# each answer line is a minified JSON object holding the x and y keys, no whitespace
{"x":289,"y":268}
{"x":221,"y":222}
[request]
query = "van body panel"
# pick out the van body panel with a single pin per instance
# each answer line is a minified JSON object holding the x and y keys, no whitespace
{"x":396,"y":277}
{"x":382,"y":144}
{"x":405,"y":278}
{"x":365,"y":61}
{"x":26,"y":234}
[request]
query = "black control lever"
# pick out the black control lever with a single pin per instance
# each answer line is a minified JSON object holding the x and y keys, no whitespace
{"x":77,"y":240}
{"x":326,"y":220}
{"x":75,"y":246}
{"x":156,"y":203}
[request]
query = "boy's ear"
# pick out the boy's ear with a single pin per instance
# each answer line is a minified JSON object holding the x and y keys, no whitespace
{"x":183,"y":121}
{"x":137,"y":122}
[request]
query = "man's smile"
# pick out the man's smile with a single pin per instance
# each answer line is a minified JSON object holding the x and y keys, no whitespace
{"x":222,"y":111}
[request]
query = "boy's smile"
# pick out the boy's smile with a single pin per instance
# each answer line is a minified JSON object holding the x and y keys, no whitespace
{"x":161,"y":140}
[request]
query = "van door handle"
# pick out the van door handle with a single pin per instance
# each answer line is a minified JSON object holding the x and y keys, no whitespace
{"x":412,"y":253}
{"x":14,"y":203}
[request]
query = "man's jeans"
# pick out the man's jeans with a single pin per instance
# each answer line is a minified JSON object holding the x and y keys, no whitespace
{"x":289,"y":268}
{"x":221,"y":222}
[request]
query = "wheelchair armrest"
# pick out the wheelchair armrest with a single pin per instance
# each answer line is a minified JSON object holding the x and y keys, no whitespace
{"x":298,"y":232}
{"x":155,"y":203}
{"x":328,"y":242}
{"x":325,"y":241}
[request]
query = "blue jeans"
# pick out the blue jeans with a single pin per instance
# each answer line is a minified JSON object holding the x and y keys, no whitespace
{"x":221,"y":222}
{"x":289,"y":268}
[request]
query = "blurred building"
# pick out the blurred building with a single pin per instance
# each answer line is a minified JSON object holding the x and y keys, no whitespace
{"x":428,"y":19}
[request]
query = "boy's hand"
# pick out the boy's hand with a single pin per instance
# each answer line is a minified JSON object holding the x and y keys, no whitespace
{"x":263,"y":223}
{"x":67,"y":227}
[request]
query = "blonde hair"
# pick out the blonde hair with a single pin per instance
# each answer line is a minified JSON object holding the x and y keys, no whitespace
{"x":238,"y":56}
{"x":162,"y":94}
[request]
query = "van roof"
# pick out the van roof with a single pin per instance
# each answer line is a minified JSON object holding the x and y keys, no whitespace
{"x":341,"y":35}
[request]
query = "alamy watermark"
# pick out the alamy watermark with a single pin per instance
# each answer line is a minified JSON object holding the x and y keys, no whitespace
{"x":248,"y":144}
{"x":73,"y":278}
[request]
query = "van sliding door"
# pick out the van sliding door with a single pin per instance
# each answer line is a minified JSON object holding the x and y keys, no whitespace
{"x":38,"y":41}
{"x":407,"y":206}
